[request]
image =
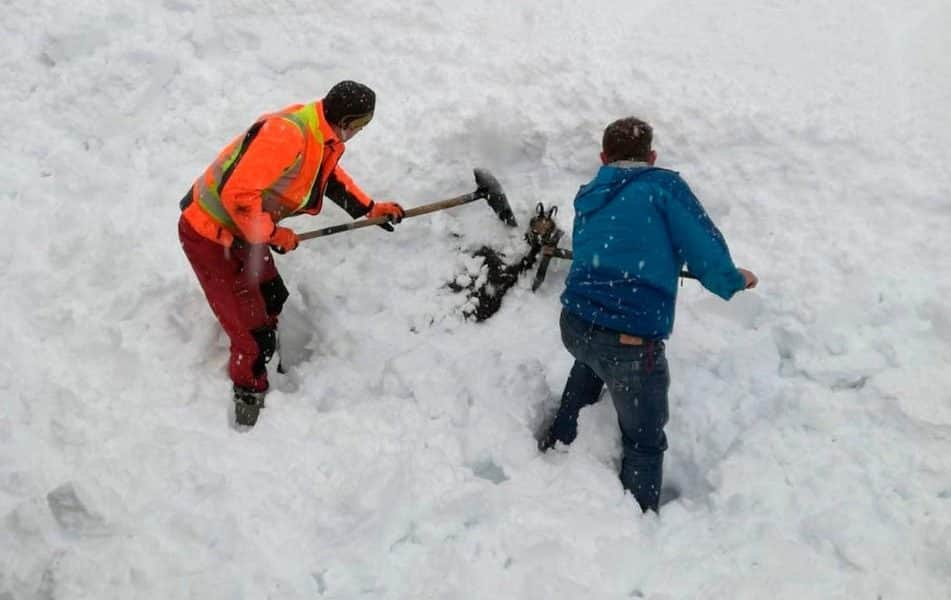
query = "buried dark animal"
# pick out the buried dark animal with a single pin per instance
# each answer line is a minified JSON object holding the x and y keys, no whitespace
{"x":487,"y":293}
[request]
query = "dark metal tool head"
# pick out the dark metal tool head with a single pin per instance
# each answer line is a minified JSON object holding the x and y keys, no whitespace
{"x":490,"y":189}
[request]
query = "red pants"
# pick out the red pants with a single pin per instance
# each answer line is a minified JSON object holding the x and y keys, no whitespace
{"x":246,"y":293}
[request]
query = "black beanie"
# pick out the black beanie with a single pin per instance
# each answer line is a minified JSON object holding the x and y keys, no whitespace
{"x":348,"y":100}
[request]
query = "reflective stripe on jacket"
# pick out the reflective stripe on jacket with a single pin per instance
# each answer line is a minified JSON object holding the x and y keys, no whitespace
{"x":280,"y":167}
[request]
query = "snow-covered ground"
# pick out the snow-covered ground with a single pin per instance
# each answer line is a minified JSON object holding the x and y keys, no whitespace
{"x":810,"y":419}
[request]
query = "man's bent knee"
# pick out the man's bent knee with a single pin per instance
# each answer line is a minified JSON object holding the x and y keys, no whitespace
{"x":275,"y":295}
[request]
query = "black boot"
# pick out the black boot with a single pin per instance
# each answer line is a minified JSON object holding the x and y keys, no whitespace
{"x":247,"y":406}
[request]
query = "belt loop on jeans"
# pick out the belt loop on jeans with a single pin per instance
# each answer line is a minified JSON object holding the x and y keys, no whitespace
{"x":649,"y":349}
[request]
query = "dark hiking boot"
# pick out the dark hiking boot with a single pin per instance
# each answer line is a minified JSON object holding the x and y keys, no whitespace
{"x":247,"y":406}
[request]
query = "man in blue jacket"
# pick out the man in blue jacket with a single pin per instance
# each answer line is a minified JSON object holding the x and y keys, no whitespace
{"x":635,"y":226}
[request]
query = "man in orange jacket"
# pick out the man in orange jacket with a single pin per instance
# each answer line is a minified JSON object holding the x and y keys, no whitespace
{"x":283,"y":165}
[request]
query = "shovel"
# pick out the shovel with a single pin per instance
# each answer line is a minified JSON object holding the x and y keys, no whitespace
{"x":555,"y":252}
{"x":487,"y":187}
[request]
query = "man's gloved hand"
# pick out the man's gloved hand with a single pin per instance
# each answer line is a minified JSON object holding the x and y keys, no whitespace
{"x":391,"y":210}
{"x":283,"y":240}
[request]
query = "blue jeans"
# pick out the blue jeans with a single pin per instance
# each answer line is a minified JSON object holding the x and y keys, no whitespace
{"x":637,"y":379}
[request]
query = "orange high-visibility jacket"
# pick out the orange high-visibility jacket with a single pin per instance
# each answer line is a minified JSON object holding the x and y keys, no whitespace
{"x":282,"y":166}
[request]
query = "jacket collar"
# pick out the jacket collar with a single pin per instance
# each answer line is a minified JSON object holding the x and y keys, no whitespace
{"x":628,"y":164}
{"x":326,"y":130}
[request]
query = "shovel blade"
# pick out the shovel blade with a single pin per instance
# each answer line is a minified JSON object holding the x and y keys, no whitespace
{"x":489,"y":188}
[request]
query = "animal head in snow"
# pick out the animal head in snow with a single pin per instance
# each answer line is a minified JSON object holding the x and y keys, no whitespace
{"x":542,"y":229}
{"x":627,"y":139}
{"x":349,"y":105}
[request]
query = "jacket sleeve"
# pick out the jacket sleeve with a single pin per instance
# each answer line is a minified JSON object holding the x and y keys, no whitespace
{"x":278,"y":144}
{"x":345,"y":192}
{"x":699,"y":243}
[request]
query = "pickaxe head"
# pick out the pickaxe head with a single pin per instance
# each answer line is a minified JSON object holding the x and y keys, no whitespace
{"x":489,"y":188}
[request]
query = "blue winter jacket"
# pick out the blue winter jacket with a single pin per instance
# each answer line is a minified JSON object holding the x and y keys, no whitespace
{"x":635,"y":227}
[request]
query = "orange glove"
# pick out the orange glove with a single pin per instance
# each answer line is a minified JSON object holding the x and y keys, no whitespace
{"x":283,"y":240}
{"x":390,"y":210}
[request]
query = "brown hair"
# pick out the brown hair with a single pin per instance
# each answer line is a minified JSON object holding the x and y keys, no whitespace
{"x":627,"y":139}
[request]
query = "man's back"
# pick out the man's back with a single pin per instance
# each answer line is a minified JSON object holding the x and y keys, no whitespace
{"x":635,"y":226}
